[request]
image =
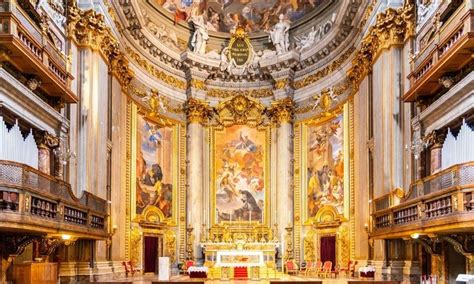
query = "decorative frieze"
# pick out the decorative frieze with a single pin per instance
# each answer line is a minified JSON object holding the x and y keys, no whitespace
{"x":254,"y":93}
{"x":168,"y":79}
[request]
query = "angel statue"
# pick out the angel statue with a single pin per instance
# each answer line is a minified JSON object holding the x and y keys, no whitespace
{"x":279,"y":35}
{"x":200,"y":36}
{"x":155,"y":101}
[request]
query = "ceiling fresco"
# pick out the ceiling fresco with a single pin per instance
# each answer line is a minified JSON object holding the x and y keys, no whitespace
{"x":254,"y":15}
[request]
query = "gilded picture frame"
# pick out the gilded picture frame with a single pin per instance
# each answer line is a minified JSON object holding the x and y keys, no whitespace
{"x":153,"y":214}
{"x":264,"y":131}
{"x":304,"y":129}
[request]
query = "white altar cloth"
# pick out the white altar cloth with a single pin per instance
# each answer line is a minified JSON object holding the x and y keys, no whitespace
{"x":239,"y":258}
{"x":198,"y":269}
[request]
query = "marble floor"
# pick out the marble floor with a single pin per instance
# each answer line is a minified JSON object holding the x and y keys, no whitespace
{"x":148,"y":279}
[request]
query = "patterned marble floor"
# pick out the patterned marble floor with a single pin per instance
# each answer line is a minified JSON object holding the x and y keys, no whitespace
{"x":148,"y":279}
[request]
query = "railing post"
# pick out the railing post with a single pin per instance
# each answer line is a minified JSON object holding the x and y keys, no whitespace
{"x":421,"y":210}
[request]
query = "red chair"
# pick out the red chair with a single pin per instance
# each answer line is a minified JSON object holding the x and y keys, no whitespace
{"x":305,"y":268}
{"x":316,"y":268}
{"x":188,"y":264}
{"x":350,"y":269}
{"x":326,"y":270}
{"x":291,"y":267}
{"x":129,"y":268}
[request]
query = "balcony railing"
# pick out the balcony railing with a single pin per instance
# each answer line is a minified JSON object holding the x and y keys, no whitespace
{"x":448,"y":50}
{"x":449,"y":193}
{"x":33,"y":198}
{"x":23,"y":38}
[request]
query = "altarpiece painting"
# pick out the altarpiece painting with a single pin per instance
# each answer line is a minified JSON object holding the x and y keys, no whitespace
{"x":239,"y":182}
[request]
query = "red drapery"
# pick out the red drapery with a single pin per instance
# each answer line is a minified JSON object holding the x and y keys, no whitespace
{"x":151,"y":251}
{"x":328,"y":249}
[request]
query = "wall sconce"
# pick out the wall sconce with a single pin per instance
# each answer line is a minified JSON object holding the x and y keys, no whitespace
{"x":415,"y":236}
{"x":366,"y":227}
{"x":68,"y":239}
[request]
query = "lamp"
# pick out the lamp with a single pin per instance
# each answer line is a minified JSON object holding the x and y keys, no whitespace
{"x":415,"y":236}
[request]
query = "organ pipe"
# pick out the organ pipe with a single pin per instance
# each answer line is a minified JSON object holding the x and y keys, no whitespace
{"x":13,"y":147}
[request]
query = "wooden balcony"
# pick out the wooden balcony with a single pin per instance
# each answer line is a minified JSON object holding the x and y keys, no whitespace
{"x":24,"y":45}
{"x":440,"y":203}
{"x":449,"y":50}
{"x":31,"y":201}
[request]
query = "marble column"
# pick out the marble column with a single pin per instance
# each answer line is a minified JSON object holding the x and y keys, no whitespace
{"x":282,"y":114}
{"x":197,"y":113}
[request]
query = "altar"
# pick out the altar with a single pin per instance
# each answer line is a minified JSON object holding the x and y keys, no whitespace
{"x":238,"y":258}
{"x":235,"y":254}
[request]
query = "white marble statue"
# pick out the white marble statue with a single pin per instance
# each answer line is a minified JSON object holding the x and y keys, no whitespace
{"x":307,"y":41}
{"x":279,"y":35}
{"x":200,"y":36}
{"x":225,"y":65}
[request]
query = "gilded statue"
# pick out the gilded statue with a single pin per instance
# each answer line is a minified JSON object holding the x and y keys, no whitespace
{"x":227,"y":237}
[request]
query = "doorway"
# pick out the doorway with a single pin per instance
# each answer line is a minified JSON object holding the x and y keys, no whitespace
{"x":328,"y":249}
{"x":152,"y":249}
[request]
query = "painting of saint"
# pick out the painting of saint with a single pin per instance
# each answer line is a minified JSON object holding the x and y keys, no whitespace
{"x":240,"y":175}
{"x":154,"y":167}
{"x":253,"y":15}
{"x":326,"y":166}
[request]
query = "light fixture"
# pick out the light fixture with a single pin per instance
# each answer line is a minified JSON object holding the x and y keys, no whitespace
{"x":66,"y":237}
{"x":415,"y":236}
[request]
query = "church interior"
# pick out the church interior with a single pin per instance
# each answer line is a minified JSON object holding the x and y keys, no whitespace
{"x":237,"y":141}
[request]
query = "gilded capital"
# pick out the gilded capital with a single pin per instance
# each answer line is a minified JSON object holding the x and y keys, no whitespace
{"x":392,"y":28}
{"x":282,"y":111}
{"x":197,"y":111}
{"x":88,"y":29}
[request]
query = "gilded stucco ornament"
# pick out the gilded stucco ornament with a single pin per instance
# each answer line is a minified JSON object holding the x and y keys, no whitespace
{"x":88,"y":29}
{"x":170,"y":245}
{"x":320,"y":74}
{"x":309,"y":246}
{"x":197,"y":111}
{"x":324,"y":101}
{"x":282,"y":111}
{"x":168,"y":79}
{"x":198,"y":84}
{"x":241,"y":110}
{"x":392,"y":28}
{"x":156,"y":102}
{"x":135,"y":239}
{"x":254,"y":93}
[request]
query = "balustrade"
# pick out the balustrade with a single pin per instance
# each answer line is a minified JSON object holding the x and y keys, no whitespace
{"x":47,"y":198}
{"x":24,"y":39}
{"x":433,"y":197}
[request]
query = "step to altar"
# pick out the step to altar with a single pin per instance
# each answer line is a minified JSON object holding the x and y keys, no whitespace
{"x":253,"y":273}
